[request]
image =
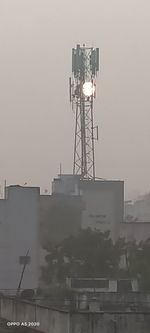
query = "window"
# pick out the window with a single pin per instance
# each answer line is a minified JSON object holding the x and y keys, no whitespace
{"x":90,"y":283}
{"x":124,"y":286}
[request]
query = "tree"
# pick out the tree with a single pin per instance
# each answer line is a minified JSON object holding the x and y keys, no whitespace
{"x":139,"y":263}
{"x":89,"y":254}
{"x":92,"y":254}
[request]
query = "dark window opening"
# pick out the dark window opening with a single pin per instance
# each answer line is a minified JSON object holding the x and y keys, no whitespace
{"x":124,"y":286}
{"x":83,"y":283}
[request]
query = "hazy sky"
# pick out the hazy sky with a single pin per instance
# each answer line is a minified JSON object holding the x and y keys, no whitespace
{"x":37,"y":125}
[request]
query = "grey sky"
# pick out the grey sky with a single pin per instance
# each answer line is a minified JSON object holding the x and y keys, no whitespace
{"x":37,"y":125}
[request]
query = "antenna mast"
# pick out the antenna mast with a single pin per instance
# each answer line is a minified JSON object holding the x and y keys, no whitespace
{"x":85,"y":66}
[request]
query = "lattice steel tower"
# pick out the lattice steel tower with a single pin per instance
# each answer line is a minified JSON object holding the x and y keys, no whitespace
{"x":85,"y":66}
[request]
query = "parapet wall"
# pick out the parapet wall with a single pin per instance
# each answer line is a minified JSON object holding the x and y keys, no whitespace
{"x":51,"y":321}
{"x":110,"y":323}
{"x":57,"y":321}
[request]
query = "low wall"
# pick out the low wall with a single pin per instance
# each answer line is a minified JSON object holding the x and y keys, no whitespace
{"x":51,"y":320}
{"x":110,"y":323}
{"x":115,"y":301}
{"x":56,"y":321}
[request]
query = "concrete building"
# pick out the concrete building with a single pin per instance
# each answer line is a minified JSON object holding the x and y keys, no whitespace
{"x":19,"y":223}
{"x":26,"y":219}
{"x":139,"y":210}
{"x":129,"y":215}
{"x":135,"y":231}
{"x":142,"y":208}
{"x":136,"y":226}
{"x":102,"y":200}
{"x":60,"y":217}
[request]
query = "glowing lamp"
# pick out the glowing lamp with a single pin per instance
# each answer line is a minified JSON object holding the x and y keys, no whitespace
{"x":88,"y":89}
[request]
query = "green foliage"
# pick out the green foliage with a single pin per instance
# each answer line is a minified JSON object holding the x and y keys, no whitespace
{"x":139,"y":263}
{"x":90,"y":254}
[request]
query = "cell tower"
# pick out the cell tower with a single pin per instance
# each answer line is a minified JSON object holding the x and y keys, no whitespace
{"x":85,"y":66}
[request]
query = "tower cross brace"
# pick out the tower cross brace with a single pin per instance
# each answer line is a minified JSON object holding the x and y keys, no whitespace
{"x":85,"y":66}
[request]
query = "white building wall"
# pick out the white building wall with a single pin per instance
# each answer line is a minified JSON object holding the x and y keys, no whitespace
{"x":19,"y":214}
{"x":103,"y":206}
{"x":99,"y":213}
{"x":103,"y":201}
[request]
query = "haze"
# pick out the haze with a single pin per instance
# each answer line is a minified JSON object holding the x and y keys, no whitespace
{"x":37,"y":124}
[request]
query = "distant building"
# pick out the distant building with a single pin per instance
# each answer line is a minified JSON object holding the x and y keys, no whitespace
{"x":129,"y":215}
{"x":135,"y":231}
{"x":139,"y":210}
{"x":136,"y":226}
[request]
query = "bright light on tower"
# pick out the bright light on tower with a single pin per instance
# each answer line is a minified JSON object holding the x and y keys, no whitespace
{"x":88,"y":89}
